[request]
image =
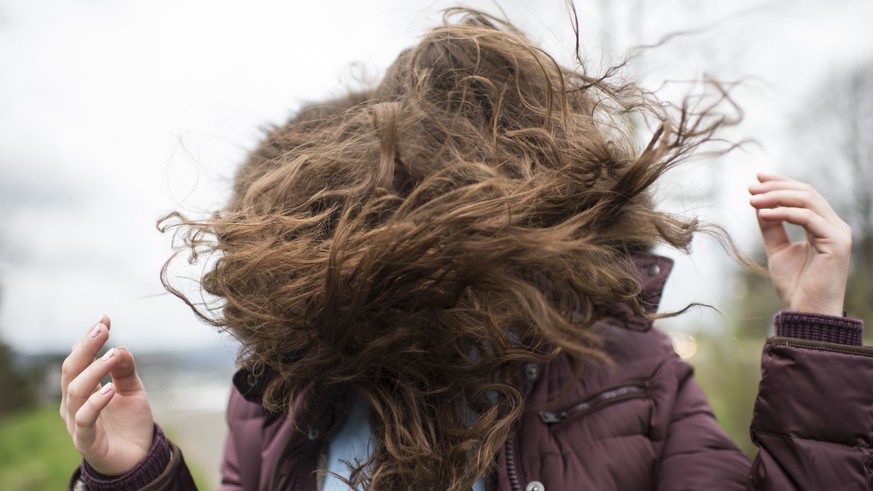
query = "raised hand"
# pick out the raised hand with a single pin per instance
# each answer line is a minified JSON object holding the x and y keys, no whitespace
{"x":810,"y":275}
{"x":111,"y":425}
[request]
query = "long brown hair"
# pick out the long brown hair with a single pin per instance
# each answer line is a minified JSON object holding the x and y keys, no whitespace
{"x":418,"y":241}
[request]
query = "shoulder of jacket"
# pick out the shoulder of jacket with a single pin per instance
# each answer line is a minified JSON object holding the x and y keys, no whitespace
{"x":622,"y":344}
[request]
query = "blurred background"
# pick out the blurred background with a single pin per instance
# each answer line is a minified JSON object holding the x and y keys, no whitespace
{"x":114,"y":113}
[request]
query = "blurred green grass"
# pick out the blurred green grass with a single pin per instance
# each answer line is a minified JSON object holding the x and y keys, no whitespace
{"x":36,"y":453}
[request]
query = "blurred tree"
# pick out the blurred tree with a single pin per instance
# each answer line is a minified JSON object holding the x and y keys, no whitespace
{"x":836,"y":126}
{"x":728,"y":363}
{"x":17,"y":388}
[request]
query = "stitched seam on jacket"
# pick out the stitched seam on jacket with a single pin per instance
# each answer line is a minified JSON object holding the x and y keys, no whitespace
{"x":865,"y":351}
{"x":800,"y":438}
{"x":860,"y":448}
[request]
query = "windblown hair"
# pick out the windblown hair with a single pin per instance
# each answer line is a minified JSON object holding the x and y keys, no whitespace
{"x":418,"y":242}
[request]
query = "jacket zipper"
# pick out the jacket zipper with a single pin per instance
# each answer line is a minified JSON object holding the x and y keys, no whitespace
{"x":511,"y":471}
{"x":630,"y":391}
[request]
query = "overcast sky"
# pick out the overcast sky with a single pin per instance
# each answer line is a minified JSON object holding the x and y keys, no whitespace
{"x":114,"y":112}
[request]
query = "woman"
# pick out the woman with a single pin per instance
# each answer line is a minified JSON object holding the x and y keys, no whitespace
{"x":452,"y":270}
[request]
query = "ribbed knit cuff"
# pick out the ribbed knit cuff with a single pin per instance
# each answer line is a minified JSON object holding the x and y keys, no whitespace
{"x":154,"y":463}
{"x":819,"y":327}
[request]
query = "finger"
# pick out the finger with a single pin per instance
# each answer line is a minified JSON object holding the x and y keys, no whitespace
{"x":776,"y":184}
{"x":814,"y":224}
{"x":86,"y":416}
{"x":774,"y":234}
{"x":82,"y":355}
{"x":123,"y":372}
{"x":103,"y":320}
{"x":88,"y":381}
{"x":781,"y":197}
{"x":809,"y":199}
{"x":765,"y":177}
{"x":83,"y":352}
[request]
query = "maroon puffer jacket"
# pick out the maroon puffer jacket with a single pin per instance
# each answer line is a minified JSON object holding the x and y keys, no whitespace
{"x":641,"y":424}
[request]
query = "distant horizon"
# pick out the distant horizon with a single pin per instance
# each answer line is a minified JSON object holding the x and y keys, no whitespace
{"x":192,"y":356}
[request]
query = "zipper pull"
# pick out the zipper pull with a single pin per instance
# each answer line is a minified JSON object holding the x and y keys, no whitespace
{"x":551,"y":418}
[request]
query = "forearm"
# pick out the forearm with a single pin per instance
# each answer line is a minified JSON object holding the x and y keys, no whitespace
{"x":811,"y":419}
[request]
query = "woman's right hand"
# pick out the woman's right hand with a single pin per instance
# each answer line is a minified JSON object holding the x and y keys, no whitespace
{"x":111,"y":425}
{"x":810,"y":274}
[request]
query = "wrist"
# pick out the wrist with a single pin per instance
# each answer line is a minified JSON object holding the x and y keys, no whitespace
{"x":818,"y":305}
{"x":144,"y":472}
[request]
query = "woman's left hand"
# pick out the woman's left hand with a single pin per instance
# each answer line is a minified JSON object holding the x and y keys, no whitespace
{"x":810,"y":275}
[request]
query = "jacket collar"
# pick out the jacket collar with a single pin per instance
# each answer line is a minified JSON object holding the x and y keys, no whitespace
{"x":251,"y":385}
{"x":653,"y":271}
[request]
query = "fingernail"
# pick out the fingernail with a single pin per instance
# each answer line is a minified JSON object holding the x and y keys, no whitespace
{"x":96,"y":330}
{"x":106,"y":388}
{"x":109,"y":354}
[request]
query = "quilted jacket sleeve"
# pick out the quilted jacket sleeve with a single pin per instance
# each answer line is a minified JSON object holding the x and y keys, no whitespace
{"x":812,"y":419}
